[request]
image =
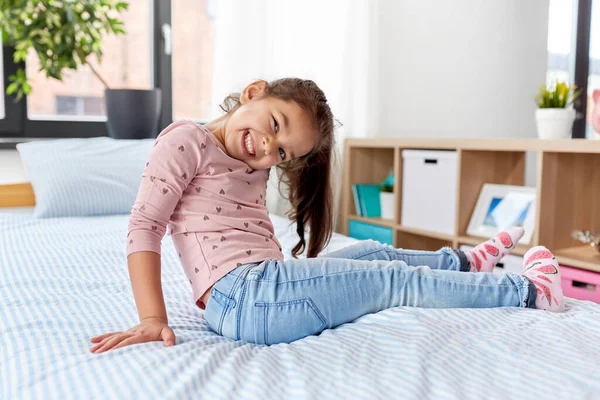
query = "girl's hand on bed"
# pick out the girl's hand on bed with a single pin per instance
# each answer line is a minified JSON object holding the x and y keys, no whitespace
{"x":150,"y":330}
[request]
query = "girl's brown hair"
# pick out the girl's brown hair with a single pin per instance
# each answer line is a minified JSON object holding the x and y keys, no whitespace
{"x":308,"y":178}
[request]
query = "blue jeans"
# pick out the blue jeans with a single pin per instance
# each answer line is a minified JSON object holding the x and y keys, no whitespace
{"x":282,"y":301}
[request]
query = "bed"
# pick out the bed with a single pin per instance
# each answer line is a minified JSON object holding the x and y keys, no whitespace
{"x":61,"y":284}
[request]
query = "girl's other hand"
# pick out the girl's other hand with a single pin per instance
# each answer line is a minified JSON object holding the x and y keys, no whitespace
{"x":149,"y":330}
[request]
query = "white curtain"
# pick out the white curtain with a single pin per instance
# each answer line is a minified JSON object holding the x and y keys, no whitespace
{"x":329,"y":41}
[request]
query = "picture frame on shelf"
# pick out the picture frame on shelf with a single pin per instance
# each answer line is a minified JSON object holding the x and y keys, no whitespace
{"x":502,"y":206}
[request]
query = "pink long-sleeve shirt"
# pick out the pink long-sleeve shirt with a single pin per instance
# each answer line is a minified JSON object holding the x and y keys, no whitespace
{"x":212,"y":205}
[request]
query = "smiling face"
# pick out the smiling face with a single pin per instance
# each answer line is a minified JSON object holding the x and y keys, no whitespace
{"x":265,"y":131}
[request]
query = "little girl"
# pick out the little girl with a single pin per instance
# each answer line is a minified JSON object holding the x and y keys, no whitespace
{"x":206,"y":186}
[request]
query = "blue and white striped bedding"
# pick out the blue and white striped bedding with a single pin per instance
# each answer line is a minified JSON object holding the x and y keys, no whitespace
{"x":65,"y":280}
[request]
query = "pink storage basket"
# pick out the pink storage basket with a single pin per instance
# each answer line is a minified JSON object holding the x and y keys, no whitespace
{"x":580,"y":284}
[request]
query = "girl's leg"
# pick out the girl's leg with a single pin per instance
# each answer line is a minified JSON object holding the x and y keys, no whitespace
{"x":369,"y":250}
{"x":282,"y":301}
{"x":482,"y":258}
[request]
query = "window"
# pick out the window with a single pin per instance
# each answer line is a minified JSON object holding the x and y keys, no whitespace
{"x":562,"y":23}
{"x":594,"y":64}
{"x":71,"y":105}
{"x":147,"y":56}
{"x":126,"y":64}
{"x":193,"y":54}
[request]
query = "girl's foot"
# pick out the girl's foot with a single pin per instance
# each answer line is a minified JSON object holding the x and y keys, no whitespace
{"x":486,"y":255}
{"x":541,"y":268}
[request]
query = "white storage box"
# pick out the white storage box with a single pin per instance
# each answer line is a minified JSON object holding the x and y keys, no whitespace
{"x":510,"y":262}
{"x":429,"y":181}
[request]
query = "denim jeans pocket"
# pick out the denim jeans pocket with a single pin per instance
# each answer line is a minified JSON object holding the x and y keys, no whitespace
{"x":286,"y":321}
{"x":216,"y":308}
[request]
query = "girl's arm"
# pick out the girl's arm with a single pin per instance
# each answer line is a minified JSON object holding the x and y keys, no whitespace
{"x":173,"y":163}
{"x":144,"y":272}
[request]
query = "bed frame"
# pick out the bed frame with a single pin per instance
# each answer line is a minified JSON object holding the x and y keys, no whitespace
{"x":17,"y":195}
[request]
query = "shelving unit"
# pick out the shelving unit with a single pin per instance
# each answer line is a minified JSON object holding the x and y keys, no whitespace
{"x":568,"y":189}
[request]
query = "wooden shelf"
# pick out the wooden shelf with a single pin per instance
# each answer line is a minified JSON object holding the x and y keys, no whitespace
{"x":508,"y":144}
{"x":422,"y":232}
{"x":567,"y":187}
{"x":470,"y":240}
{"x":388,"y":223}
{"x":586,"y":257}
{"x":519,"y":250}
{"x":375,"y":221}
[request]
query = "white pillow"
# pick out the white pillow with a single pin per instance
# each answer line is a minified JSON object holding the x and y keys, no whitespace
{"x":79,"y":177}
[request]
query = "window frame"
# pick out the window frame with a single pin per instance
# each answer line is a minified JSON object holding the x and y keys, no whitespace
{"x":582,"y":65}
{"x":12,"y":123}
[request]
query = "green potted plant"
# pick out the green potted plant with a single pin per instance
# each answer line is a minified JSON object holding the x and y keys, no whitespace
{"x":64,"y":34}
{"x":555,"y":115}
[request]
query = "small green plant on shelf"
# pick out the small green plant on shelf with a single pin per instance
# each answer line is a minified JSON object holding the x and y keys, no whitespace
{"x":557,"y":95}
{"x":386,"y":188}
{"x":386,"y":196}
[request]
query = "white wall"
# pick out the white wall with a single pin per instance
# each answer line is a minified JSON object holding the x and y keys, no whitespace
{"x":460,"y":68}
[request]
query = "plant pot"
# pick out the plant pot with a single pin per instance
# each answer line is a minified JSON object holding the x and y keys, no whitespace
{"x":387,"y":205}
{"x":132,"y":113}
{"x":554,"y":123}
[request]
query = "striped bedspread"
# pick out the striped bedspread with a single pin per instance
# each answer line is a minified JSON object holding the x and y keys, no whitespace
{"x":65,"y":280}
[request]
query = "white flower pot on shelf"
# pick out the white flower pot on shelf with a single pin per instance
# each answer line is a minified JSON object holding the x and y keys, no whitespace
{"x":387,"y":205}
{"x":554,"y":123}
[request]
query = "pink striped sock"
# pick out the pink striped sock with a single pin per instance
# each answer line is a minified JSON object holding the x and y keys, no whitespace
{"x":541,"y":268}
{"x":485,"y":255}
